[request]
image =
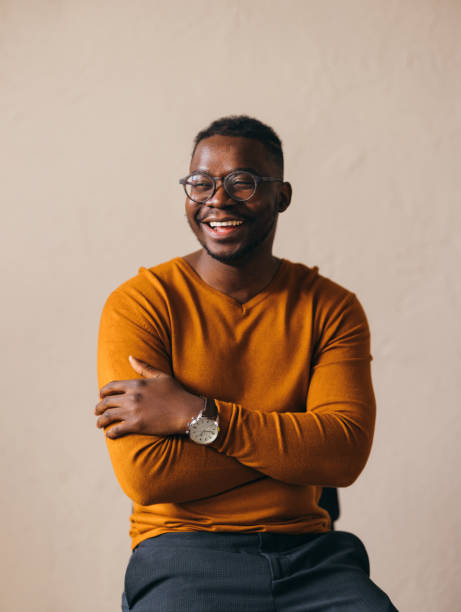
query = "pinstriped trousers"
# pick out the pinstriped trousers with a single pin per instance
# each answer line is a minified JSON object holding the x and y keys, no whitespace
{"x":257,"y":572}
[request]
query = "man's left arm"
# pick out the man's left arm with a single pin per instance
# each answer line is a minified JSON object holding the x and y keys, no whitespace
{"x":330,"y":442}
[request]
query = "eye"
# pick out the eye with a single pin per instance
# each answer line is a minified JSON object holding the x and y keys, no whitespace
{"x":241,"y":184}
{"x":199,"y":182}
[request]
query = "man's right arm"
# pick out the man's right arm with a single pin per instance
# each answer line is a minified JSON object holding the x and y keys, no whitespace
{"x":156,"y":469}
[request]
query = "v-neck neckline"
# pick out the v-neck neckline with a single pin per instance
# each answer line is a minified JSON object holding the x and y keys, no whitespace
{"x":244,"y":306}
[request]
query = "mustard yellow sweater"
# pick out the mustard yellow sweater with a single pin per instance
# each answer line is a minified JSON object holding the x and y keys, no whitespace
{"x":290,"y":370}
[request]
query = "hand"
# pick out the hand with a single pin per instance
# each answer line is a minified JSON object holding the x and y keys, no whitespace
{"x":154,"y":405}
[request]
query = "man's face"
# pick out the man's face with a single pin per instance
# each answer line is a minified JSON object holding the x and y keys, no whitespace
{"x":219,"y":155}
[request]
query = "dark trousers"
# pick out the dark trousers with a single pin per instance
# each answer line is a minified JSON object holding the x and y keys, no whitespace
{"x":208,"y":572}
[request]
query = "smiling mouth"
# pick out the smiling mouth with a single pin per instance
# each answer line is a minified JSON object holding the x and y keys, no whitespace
{"x":233,"y":223}
{"x":223,"y":228}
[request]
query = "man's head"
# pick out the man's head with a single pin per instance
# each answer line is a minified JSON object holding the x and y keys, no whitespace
{"x":245,"y":127}
{"x":226,"y":145}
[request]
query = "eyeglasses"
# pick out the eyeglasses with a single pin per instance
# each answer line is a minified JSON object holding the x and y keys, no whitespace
{"x":240,"y":185}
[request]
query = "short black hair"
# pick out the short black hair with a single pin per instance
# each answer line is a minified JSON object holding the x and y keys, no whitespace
{"x":246,"y":127}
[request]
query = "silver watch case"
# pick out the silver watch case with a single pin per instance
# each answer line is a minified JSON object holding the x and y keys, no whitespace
{"x":203,"y":430}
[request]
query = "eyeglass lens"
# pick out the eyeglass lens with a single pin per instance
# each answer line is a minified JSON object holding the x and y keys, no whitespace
{"x":238,"y":185}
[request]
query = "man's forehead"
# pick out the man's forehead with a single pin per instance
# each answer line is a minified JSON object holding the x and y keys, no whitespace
{"x":229,"y":152}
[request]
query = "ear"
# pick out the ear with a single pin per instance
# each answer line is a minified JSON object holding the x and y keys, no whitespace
{"x":284,"y":197}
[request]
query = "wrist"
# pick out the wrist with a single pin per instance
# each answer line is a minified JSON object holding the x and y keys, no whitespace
{"x":192,"y":407}
{"x":204,"y":428}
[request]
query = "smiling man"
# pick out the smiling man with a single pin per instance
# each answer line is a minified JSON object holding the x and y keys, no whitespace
{"x":235,"y":385}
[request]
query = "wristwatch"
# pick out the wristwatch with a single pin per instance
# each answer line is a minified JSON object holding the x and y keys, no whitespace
{"x":204,"y":429}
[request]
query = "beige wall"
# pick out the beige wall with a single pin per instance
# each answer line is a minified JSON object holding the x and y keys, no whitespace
{"x":99,"y":103}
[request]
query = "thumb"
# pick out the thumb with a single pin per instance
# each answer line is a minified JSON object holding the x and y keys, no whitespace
{"x":141,"y":367}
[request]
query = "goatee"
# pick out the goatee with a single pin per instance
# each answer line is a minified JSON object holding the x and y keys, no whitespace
{"x":245,"y":250}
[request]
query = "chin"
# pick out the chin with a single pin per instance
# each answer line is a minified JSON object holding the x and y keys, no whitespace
{"x":235,"y":257}
{"x":228,"y":258}
{"x":243,"y":252}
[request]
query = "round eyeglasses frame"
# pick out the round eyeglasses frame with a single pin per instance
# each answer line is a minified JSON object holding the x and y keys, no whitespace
{"x":225,"y":179}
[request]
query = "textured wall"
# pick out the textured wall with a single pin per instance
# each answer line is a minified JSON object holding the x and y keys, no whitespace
{"x":99,"y":103}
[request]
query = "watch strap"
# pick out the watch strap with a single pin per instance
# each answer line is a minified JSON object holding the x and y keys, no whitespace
{"x":210,"y":410}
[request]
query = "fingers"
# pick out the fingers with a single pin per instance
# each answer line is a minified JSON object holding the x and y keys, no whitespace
{"x":108,"y":402}
{"x":119,"y":430}
{"x":141,"y":367}
{"x":123,"y":386}
{"x":119,"y":387}
{"x":110,"y":416}
{"x":119,"y":409}
{"x":114,"y":387}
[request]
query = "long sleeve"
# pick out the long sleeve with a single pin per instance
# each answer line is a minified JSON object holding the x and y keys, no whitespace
{"x":329,"y":443}
{"x":290,"y":372}
{"x":154,"y":469}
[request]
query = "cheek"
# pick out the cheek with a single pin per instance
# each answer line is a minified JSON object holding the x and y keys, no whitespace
{"x":191,"y":213}
{"x":268,"y":214}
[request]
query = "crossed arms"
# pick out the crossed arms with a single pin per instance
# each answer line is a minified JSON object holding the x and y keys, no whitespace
{"x":328,"y":444}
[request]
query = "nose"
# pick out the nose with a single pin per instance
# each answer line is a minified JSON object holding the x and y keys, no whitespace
{"x":220,"y":198}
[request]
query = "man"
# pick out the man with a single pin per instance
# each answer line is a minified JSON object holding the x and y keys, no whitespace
{"x":234,"y":386}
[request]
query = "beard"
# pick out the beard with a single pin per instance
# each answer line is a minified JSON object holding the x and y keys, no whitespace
{"x":245,"y":250}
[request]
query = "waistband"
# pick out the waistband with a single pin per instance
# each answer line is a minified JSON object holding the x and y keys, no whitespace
{"x":257,"y":542}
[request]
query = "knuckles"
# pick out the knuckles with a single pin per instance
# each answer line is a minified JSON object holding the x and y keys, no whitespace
{"x":138,"y":383}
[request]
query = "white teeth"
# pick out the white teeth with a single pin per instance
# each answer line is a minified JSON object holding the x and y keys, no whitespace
{"x":224,"y":223}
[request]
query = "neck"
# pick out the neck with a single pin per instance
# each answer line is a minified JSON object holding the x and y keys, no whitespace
{"x":241,"y":280}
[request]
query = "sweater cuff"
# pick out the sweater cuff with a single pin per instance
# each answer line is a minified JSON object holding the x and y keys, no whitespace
{"x":227,"y":416}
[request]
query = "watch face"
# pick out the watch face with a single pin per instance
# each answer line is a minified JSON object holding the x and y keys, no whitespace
{"x":204,"y":431}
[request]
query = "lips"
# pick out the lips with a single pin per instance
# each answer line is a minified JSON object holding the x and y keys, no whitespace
{"x":218,"y":220}
{"x":233,"y":223}
{"x":221,"y":227}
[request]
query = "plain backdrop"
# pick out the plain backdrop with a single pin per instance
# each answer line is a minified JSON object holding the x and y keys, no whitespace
{"x":99,"y":102}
